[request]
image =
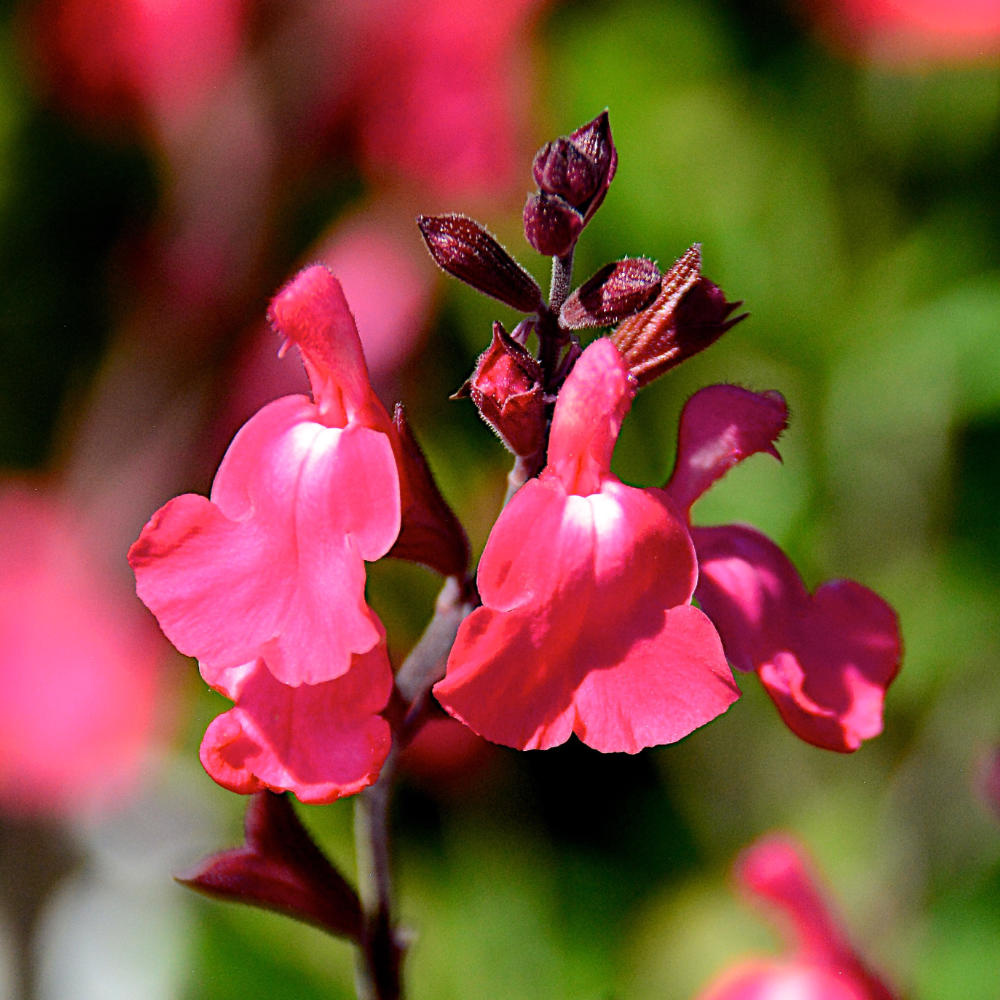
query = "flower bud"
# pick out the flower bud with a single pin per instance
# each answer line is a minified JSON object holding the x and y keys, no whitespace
{"x":560,"y":168}
{"x":595,"y":142}
{"x":578,"y":167}
{"x":464,"y":249}
{"x":551,"y":224}
{"x":507,"y":390}
{"x":616,"y":291}
{"x":688,"y":315}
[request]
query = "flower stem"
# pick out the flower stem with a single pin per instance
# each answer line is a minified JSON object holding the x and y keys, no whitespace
{"x":381,"y":951}
{"x":562,"y":278}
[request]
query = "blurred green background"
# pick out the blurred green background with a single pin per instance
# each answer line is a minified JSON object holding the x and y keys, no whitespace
{"x":854,"y":210}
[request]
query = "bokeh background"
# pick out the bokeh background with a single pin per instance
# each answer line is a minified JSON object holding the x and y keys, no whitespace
{"x":165,"y":164}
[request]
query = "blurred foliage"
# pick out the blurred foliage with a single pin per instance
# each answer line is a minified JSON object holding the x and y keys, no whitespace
{"x":855,"y":212}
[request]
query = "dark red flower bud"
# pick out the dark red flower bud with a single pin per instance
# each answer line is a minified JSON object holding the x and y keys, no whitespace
{"x":551,"y":224}
{"x":560,"y":168}
{"x":616,"y":291}
{"x":430,"y":533}
{"x":280,"y":868}
{"x":578,"y":167}
{"x":595,"y":142}
{"x":464,"y":249}
{"x":507,"y":390}
{"x":688,"y":315}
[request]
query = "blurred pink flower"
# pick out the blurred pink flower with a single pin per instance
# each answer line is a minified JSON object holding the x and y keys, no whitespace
{"x":158,"y":59}
{"x":441,"y":91}
{"x":820,"y":963}
{"x":80,"y":692}
{"x":989,"y":779}
{"x":912,"y":31}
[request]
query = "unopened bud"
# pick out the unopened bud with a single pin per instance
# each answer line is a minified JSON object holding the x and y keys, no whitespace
{"x":616,"y":291}
{"x":551,"y":224}
{"x":595,"y":142}
{"x":507,"y":390}
{"x":688,"y":315}
{"x":561,"y":168}
{"x":464,"y":249}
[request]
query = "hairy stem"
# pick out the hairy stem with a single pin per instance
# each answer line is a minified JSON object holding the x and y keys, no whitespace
{"x":562,"y":278}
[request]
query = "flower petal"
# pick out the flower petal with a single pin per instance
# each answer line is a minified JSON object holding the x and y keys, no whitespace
{"x":668,"y":685}
{"x":588,"y":416}
{"x":199,"y":573}
{"x":771,"y":979}
{"x":577,"y":586}
{"x":825,"y":660}
{"x":311,"y":311}
{"x":720,"y":426}
{"x":273,"y":565}
{"x":502,"y":683}
{"x":319,"y":741}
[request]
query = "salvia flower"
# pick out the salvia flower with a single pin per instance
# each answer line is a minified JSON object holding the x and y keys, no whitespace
{"x":587,"y":625}
{"x":820,"y":963}
{"x":264,"y":581}
{"x":825,"y":658}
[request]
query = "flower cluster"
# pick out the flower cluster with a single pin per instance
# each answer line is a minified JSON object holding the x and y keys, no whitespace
{"x":581,"y":618}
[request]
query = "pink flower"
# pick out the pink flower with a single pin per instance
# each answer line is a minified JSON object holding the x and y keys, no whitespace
{"x":825,"y":659}
{"x":264,"y":582}
{"x":821,"y":964}
{"x":80,"y":677}
{"x":586,"y":583}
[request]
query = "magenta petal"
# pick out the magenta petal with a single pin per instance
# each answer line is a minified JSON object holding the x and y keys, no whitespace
{"x":825,"y":660}
{"x":720,"y":426}
{"x":284,"y":458}
{"x":667,"y":686}
{"x":783,"y":980}
{"x":319,"y":741}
